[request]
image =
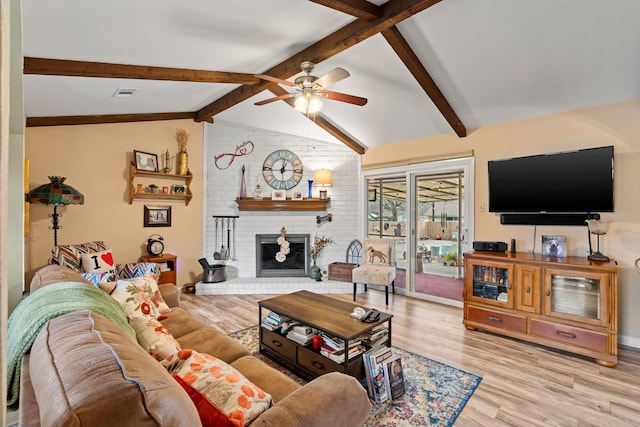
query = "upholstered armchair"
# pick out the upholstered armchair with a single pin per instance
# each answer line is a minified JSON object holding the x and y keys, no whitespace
{"x":378,"y":266}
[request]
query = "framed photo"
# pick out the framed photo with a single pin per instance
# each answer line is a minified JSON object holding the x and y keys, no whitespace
{"x":165,"y":190}
{"x":297,"y":195}
{"x":178,"y":189}
{"x":279,"y":195}
{"x":553,"y":245}
{"x":146,"y":161}
{"x":373,"y":195}
{"x":157,"y":216}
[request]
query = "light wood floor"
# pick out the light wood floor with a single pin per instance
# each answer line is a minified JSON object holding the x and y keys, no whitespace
{"x":522,"y":384}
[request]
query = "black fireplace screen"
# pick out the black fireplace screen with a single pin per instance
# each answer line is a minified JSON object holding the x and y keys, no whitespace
{"x":296,"y":263}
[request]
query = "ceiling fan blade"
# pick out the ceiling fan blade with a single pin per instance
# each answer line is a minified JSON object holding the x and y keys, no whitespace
{"x":337,"y":96}
{"x":274,"y":99}
{"x":275,"y":80}
{"x":332,"y":77}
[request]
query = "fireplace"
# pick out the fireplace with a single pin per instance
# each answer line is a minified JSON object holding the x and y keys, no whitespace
{"x":297,"y":260}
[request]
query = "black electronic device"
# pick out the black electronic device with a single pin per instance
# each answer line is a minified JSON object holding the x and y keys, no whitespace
{"x":371,"y":316}
{"x":571,"y":182}
{"x":490,"y":246}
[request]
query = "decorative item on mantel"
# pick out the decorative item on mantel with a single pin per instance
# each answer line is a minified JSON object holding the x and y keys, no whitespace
{"x":183,"y":159}
{"x":322,"y":177}
{"x":310,"y":195}
{"x":243,"y":185}
{"x":319,"y":243}
{"x":257,"y":192}
{"x":167,"y":162}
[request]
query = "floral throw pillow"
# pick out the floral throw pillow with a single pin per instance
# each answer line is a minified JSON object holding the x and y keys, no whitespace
{"x":138,"y":297}
{"x":222,"y":395}
{"x":154,"y":337}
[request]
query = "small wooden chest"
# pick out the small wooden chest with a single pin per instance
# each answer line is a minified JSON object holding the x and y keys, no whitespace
{"x":341,"y":271}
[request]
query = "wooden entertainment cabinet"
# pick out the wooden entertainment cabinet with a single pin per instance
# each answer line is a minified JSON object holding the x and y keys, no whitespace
{"x":570,"y":303}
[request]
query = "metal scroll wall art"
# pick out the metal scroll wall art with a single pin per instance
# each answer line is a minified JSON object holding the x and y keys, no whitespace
{"x":224,"y":160}
{"x":225,"y":237}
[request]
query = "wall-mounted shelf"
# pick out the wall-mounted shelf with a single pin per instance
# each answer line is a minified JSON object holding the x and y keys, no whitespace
{"x":133,"y":194}
{"x":252,"y":204}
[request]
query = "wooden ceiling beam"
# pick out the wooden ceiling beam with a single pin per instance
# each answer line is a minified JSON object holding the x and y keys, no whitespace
{"x":359,"y":8}
{"x":393,"y":12}
{"x":106,"y":118}
{"x":61,"y":67}
{"x":400,"y":45}
{"x":323,"y":122}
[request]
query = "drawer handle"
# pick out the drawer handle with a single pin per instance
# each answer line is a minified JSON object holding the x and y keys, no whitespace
{"x":566,"y":334}
{"x":276,"y":343}
{"x":548,"y":292}
{"x":494,"y":319}
{"x":527,"y":289}
{"x":317,"y":365}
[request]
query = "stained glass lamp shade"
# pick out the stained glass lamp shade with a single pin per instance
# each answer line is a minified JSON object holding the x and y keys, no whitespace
{"x":55,"y":193}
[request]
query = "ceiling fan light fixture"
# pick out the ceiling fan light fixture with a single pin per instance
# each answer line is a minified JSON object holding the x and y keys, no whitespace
{"x":308,"y":103}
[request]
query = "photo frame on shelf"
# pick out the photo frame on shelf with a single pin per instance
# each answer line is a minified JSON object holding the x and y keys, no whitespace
{"x":373,"y":195}
{"x":297,"y":195}
{"x":147,"y":162}
{"x":554,"y":245}
{"x":157,"y":216}
{"x":279,"y":195}
{"x":178,"y":189}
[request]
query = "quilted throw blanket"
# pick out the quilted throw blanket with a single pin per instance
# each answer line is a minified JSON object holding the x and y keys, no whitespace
{"x":45,"y":304}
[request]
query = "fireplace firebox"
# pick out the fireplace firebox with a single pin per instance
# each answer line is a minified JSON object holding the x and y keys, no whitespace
{"x":296,"y":263}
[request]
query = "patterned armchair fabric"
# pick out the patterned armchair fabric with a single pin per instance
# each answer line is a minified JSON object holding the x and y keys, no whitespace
{"x":378,"y":266}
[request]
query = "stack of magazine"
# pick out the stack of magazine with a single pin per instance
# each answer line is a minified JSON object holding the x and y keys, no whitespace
{"x":385,"y":378}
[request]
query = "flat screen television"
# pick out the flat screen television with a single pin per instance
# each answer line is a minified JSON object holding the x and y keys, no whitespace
{"x":578,"y":181}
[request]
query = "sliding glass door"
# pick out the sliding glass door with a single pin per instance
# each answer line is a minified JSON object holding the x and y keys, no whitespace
{"x":427,"y":212}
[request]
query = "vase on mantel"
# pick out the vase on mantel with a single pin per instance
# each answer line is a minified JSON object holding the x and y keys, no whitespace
{"x":314,"y":273}
{"x":310,"y":195}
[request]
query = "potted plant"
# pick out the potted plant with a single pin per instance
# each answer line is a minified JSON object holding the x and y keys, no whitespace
{"x":319,"y":243}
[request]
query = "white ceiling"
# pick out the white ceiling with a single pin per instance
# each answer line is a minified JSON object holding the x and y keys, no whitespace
{"x":495,"y":60}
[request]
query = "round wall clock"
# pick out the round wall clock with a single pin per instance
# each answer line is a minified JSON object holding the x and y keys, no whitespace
{"x":282,"y":170}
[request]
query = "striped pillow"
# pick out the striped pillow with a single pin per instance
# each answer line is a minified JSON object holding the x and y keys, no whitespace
{"x":71,"y":255}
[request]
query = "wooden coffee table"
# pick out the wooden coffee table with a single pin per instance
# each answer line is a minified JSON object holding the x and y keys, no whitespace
{"x":329,"y":315}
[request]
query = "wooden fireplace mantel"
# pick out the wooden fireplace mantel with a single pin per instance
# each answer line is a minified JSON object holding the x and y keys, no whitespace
{"x":253,"y":204}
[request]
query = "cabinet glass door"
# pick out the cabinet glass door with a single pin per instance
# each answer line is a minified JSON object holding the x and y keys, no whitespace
{"x":577,"y":296}
{"x":492,"y":282}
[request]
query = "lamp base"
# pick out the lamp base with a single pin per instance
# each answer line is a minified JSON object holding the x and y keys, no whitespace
{"x":598,"y":257}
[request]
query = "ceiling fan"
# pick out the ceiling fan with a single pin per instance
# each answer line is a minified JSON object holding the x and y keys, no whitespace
{"x":311,"y":88}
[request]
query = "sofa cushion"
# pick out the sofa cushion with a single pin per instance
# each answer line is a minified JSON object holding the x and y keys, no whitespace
{"x":264,"y":376}
{"x":154,"y":337}
{"x":70,"y":256}
{"x":53,"y":274}
{"x":84,"y":370}
{"x":98,"y":262}
{"x":221,"y":394}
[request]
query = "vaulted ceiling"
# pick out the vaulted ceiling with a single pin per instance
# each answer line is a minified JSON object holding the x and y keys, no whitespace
{"x":427,"y":67}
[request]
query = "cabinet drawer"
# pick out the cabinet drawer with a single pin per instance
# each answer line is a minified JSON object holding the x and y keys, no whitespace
{"x":571,"y":335}
{"x":279,"y":344}
{"x":316,"y":363}
{"x":497,"y":319}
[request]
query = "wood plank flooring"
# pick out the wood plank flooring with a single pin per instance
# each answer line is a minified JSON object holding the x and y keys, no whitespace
{"x":522,"y":384}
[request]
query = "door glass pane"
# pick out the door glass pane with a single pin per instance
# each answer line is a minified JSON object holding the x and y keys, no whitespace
{"x":438,"y":264}
{"x":578,"y":296}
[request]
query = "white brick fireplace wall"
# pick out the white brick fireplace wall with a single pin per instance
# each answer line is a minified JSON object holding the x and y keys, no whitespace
{"x":222,"y":186}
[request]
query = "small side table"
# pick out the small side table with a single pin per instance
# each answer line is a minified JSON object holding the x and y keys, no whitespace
{"x":168,"y":266}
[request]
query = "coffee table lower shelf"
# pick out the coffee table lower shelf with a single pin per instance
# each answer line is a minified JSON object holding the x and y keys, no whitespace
{"x":304,"y":361}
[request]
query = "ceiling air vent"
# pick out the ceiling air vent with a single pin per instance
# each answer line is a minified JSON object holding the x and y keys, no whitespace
{"x":123,"y":93}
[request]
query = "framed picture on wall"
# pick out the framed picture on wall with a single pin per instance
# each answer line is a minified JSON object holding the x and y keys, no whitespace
{"x":157,"y":216}
{"x":147,"y":162}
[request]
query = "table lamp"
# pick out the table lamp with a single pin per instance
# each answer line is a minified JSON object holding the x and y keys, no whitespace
{"x":598,"y":228}
{"x":322,"y":177}
{"x":55,"y":193}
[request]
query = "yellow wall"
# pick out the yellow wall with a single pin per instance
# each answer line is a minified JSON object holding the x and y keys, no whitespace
{"x":95,"y":159}
{"x":615,"y":124}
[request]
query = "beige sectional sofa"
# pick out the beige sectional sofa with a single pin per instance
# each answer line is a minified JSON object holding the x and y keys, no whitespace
{"x":84,"y":369}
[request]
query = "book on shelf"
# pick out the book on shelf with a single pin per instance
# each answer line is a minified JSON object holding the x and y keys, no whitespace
{"x":299,"y":338}
{"x":373,"y":360}
{"x":338,"y":355}
{"x":394,"y":377}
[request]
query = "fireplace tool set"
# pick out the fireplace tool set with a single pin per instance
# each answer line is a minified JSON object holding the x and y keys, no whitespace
{"x":225,"y":229}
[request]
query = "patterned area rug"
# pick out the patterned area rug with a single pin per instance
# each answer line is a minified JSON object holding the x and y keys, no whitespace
{"x":435,"y":392}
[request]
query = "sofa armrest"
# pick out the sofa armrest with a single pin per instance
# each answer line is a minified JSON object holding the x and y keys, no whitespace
{"x":332,"y":399}
{"x":170,"y":294}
